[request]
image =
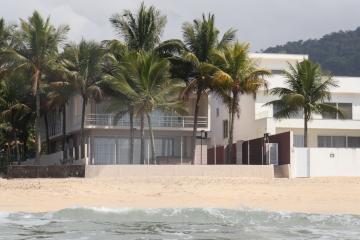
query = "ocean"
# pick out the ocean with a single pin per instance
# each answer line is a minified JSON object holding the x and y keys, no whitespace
{"x":107,"y":224}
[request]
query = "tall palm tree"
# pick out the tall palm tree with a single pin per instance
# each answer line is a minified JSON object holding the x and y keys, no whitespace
{"x":201,"y":40}
{"x":141,"y":31}
{"x":244,"y":78}
{"x":84,"y":64}
{"x":145,"y":79}
{"x":117,"y":53}
{"x":36,"y":48}
{"x":307,"y":90}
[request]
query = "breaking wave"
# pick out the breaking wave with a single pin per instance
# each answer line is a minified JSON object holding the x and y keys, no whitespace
{"x":193,"y":223}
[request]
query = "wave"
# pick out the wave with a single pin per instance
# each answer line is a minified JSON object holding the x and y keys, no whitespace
{"x":179,"y":223}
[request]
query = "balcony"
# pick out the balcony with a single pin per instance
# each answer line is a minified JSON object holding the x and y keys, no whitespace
{"x":162,"y":122}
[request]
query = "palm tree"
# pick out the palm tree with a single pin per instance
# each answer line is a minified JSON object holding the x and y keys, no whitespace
{"x":141,"y":31}
{"x":35,"y":50}
{"x":15,"y":109}
{"x":145,"y":79}
{"x":244,"y":78}
{"x":307,"y":90}
{"x":83,"y":62}
{"x":202,"y":39}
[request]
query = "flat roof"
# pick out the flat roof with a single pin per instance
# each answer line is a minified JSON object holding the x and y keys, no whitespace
{"x":279,"y":56}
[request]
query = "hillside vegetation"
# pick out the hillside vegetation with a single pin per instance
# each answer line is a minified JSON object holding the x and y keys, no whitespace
{"x":337,"y":52}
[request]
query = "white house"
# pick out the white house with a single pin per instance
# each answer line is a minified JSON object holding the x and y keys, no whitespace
{"x":256,"y":119}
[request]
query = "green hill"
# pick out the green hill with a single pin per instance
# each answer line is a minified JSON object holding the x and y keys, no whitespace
{"x":337,"y":52}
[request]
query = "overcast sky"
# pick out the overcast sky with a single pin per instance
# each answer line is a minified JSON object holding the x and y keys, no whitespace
{"x":263,"y":23}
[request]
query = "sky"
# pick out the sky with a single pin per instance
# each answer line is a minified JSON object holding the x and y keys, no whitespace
{"x":262,"y":23}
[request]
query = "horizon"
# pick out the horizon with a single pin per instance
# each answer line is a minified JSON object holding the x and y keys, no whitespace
{"x":91,"y":20}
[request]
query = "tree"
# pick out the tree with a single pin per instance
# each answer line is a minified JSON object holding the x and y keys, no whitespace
{"x":244,"y":78}
{"x":15,"y":110}
{"x":83,"y":62}
{"x":307,"y":90}
{"x":141,"y":32}
{"x":201,"y":40}
{"x":36,"y":48}
{"x":146,"y":81}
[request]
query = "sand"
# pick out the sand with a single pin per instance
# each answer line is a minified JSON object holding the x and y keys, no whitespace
{"x":316,"y":195}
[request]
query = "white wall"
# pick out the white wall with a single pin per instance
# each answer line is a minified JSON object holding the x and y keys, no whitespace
{"x":326,"y":162}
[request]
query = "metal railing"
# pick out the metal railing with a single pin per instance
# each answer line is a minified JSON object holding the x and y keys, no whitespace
{"x":109,"y":120}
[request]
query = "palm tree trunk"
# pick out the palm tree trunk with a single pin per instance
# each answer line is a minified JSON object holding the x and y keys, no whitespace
{"x":132,"y":133}
{"x":231,"y":133}
{"x":18,"y":159}
{"x":37,"y":130}
{"x":305,"y":129}
{"x":142,"y":139}
{"x":82,"y":137}
{"x":9,"y":151}
{"x":47,"y":133}
{"x":152,"y":141}
{"x":64,"y":133}
{"x":196,"y":113}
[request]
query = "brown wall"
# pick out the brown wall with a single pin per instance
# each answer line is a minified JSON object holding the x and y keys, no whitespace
{"x":256,"y":145}
{"x":46,"y":171}
{"x":220,"y":156}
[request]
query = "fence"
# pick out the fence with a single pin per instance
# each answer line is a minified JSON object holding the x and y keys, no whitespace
{"x":326,"y":162}
{"x":253,"y":150}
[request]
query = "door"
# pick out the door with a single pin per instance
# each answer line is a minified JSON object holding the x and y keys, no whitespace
{"x":302,"y":162}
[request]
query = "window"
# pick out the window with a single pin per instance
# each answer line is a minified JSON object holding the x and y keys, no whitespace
{"x":324,"y":141}
{"x":332,"y":141}
{"x":295,"y":115}
{"x":217,"y":112}
{"x":354,"y":142}
{"x":345,"y":108}
{"x":277,"y":71}
{"x":298,"y":140}
{"x":225,"y":128}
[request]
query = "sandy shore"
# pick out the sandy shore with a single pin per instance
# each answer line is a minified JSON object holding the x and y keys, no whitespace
{"x":317,"y":195}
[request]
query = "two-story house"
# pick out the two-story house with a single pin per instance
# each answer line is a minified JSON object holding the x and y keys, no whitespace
{"x":255,"y":120}
{"x":107,"y":137}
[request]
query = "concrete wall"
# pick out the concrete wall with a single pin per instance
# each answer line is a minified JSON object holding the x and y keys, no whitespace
{"x":64,"y":171}
{"x":92,"y":171}
{"x":326,"y":162}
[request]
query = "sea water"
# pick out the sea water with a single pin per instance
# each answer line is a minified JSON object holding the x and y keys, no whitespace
{"x":106,"y":224}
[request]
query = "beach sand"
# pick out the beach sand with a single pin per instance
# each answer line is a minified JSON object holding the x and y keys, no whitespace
{"x":315,"y":195}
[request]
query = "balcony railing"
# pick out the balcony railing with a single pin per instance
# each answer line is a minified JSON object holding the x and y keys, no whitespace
{"x":109,"y":120}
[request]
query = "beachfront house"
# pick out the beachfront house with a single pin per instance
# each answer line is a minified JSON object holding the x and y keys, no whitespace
{"x":107,"y":136}
{"x":327,"y":133}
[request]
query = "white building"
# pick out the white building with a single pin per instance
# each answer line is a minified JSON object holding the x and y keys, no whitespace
{"x":256,"y":119}
{"x":107,"y":139}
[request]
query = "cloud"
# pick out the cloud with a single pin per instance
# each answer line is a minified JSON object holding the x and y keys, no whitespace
{"x":263,"y":23}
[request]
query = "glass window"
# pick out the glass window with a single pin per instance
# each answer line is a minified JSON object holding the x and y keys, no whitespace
{"x":324,"y":141}
{"x":339,"y":142}
{"x":217,"y":112}
{"x":225,"y":128}
{"x":298,"y":140}
{"x":346,"y":109}
{"x":354,"y":142}
{"x":330,"y":115}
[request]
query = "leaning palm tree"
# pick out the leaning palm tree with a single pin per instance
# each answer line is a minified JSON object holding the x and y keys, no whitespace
{"x":35,"y":50}
{"x":244,"y":77}
{"x":83,"y":62}
{"x":307,"y":90}
{"x":201,"y":40}
{"x":146,"y":81}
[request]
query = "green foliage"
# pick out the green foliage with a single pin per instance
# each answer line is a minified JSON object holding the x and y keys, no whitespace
{"x":337,"y":52}
{"x":307,"y":90}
